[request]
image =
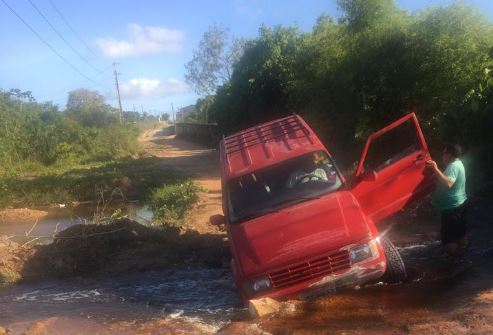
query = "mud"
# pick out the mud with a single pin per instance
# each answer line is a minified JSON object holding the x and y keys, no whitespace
{"x":21,"y":215}
{"x":121,"y":246}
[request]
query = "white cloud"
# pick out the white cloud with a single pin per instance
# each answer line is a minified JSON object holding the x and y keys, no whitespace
{"x":145,"y":88}
{"x":142,"y":40}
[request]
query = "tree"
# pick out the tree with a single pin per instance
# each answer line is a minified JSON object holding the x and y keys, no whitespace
{"x":261,"y":81}
{"x":212,"y":62}
{"x":90,"y":108}
{"x":165,"y":117}
{"x":202,"y":107}
{"x":359,"y":15}
{"x":84,"y":98}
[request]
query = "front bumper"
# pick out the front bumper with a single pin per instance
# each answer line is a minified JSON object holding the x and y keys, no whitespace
{"x":357,"y":274}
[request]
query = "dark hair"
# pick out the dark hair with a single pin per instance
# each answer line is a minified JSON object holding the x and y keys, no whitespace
{"x":453,"y":149}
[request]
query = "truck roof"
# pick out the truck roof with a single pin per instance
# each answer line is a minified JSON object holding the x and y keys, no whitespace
{"x":266,"y":144}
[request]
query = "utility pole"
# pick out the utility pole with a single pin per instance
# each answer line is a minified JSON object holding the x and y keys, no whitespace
{"x":173,"y":112}
{"x":118,"y":92}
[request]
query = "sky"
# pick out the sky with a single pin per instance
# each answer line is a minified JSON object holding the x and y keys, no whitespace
{"x":149,"y":40}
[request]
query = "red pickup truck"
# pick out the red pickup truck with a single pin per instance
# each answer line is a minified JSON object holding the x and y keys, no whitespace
{"x":296,"y":227}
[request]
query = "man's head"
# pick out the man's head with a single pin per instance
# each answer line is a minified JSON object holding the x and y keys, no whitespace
{"x":318,"y":158}
{"x":451,"y":152}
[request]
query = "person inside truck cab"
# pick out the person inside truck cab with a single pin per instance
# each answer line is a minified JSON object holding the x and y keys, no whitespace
{"x":311,"y":170}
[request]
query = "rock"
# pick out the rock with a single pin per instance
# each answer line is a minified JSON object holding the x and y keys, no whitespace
{"x":4,"y":331}
{"x":263,"y":306}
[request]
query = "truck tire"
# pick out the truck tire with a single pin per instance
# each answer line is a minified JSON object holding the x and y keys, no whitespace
{"x":396,"y":270}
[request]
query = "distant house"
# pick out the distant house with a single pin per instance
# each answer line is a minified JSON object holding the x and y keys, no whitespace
{"x":184,"y":112}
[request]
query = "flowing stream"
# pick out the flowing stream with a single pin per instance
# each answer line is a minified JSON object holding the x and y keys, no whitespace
{"x":197,"y":295}
{"x":206,"y":295}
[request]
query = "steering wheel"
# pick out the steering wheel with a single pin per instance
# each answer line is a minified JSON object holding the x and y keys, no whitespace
{"x":308,"y":175}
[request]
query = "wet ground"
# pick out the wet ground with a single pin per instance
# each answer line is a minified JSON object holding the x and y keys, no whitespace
{"x":442,"y":295}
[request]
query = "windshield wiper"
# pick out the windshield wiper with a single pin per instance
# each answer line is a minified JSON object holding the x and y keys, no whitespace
{"x":275,"y":207}
{"x":257,"y":214}
{"x":295,"y":200}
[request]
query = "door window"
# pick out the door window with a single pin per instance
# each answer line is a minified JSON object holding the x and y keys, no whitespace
{"x":392,"y":146}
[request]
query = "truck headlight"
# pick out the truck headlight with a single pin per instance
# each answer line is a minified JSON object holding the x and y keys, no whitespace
{"x":364,"y":251}
{"x":261,"y":284}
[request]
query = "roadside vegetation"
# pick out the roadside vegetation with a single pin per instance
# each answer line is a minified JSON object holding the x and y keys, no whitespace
{"x":8,"y":275}
{"x":118,"y":180}
{"x":170,"y":202}
{"x":351,"y":75}
{"x":83,"y":153}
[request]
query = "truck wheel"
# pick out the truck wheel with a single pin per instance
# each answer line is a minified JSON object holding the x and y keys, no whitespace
{"x":396,"y":270}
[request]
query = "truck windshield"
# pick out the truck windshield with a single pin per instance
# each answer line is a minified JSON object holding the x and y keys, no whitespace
{"x":299,"y":179}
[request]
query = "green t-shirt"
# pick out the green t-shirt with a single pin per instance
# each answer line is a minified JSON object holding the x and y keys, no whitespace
{"x":455,"y":196}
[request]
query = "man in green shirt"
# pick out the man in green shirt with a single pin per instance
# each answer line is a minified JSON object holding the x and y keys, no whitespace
{"x":450,"y":198}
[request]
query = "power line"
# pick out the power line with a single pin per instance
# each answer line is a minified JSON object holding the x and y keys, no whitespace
{"x":100,"y":81}
{"x":61,"y":36}
{"x":47,"y":44}
{"x":72,"y":29}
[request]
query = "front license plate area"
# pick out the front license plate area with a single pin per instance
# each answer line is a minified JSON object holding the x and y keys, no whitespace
{"x":326,"y":289}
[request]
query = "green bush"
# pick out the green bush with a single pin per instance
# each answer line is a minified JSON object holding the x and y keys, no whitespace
{"x":39,"y":135}
{"x":170,"y":202}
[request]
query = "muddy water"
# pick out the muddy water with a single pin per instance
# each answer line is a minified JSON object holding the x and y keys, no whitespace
{"x":206,"y":296}
{"x":437,"y":288}
{"x":194,"y":295}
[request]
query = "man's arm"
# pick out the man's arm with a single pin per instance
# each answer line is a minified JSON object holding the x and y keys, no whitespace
{"x":448,"y":182}
{"x":321,"y":174}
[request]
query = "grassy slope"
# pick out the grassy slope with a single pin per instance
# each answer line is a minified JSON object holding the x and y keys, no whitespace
{"x":124,"y":178}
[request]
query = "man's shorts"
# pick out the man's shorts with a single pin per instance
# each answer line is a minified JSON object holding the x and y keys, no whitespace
{"x":454,"y":226}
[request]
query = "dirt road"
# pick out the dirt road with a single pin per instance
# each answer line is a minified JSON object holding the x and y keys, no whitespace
{"x":198,"y":160}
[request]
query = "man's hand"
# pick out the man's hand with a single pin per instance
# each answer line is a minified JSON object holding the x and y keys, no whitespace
{"x":432,"y":164}
{"x":441,"y":177}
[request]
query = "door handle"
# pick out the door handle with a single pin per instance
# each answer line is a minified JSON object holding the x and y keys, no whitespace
{"x":419,"y":158}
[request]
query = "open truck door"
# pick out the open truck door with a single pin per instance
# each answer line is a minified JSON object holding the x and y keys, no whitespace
{"x":392,"y":173}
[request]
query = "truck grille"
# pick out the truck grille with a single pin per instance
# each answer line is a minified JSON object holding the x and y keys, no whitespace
{"x":311,"y":269}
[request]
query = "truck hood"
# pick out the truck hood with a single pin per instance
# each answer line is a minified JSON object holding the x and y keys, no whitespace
{"x":298,"y":232}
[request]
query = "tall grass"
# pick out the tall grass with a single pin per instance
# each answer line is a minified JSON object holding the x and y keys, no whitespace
{"x":170,"y":202}
{"x":8,"y":275}
{"x":51,"y":156}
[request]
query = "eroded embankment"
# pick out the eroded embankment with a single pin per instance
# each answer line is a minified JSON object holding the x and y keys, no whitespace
{"x":121,"y":246}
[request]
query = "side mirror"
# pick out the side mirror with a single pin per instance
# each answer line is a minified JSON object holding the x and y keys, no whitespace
{"x":217,"y":220}
{"x":369,"y":175}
